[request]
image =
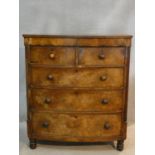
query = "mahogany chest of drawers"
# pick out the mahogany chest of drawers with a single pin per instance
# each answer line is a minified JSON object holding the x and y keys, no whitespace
{"x":77,"y":88}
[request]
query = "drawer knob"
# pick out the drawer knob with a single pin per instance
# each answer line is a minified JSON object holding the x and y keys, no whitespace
{"x":52,"y":55}
{"x":47,"y":100}
{"x":104,"y":101}
{"x":101,"y":56}
{"x":50,"y":77}
{"x":103,"y":78}
{"x":107,"y":126}
{"x":45,"y":125}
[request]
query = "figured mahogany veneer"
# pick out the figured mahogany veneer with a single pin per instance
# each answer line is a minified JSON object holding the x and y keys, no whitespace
{"x":94,"y":77}
{"x":101,"y":56}
{"x":77,"y":88}
{"x":52,"y":55}
{"x":75,"y":100}
{"x":48,"y":125}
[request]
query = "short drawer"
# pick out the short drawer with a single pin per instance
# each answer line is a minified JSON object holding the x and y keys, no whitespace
{"x":101,"y":56}
{"x":75,"y":125}
{"x":56,"y":100}
{"x":101,"y":77}
{"x":52,"y":55}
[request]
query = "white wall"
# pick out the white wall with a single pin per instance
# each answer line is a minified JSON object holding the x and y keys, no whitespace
{"x":99,"y":17}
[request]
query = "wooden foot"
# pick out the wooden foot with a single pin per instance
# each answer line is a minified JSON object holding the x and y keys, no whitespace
{"x":120,"y":145}
{"x":33,"y":144}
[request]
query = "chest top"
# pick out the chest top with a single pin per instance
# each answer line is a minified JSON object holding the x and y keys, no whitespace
{"x":60,"y":40}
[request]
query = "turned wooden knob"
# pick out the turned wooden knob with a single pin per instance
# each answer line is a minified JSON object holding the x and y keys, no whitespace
{"x":50,"y":77}
{"x":107,"y":126}
{"x":103,"y":78}
{"x":45,"y":125}
{"x":104,"y":101}
{"x":52,"y":55}
{"x":101,"y":56}
{"x":47,"y":100}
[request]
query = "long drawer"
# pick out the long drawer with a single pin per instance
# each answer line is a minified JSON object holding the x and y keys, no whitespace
{"x":47,"y":125}
{"x":92,"y":77}
{"x":62,"y":100}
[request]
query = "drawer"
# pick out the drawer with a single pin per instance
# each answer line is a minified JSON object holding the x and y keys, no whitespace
{"x":52,"y":55}
{"x":56,"y":100}
{"x":102,"y":56}
{"x":94,"y":77}
{"x":75,"y":125}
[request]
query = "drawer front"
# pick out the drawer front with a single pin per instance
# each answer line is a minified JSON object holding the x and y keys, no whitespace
{"x":101,"y":56}
{"x":52,"y":55}
{"x":76,"y":125}
{"x":107,"y":101}
{"x":102,"y":77}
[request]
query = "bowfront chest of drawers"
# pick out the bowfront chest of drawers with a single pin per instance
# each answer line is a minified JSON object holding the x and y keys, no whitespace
{"x":77,"y":88}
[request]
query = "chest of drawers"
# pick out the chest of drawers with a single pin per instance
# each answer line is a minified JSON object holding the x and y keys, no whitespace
{"x":77,"y":88}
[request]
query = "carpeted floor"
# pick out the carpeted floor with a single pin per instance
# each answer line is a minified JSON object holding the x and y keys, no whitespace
{"x":75,"y":150}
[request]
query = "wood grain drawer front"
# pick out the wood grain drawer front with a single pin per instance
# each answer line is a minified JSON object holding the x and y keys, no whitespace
{"x":107,"y":101}
{"x":52,"y":55}
{"x":101,"y":77}
{"x":101,"y":56}
{"x":76,"y":125}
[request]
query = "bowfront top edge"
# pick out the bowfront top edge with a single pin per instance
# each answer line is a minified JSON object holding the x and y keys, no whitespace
{"x":93,"y":41}
{"x":76,"y":36}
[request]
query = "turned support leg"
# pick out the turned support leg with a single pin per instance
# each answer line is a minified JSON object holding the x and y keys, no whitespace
{"x":120,"y":145}
{"x":33,"y":143}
